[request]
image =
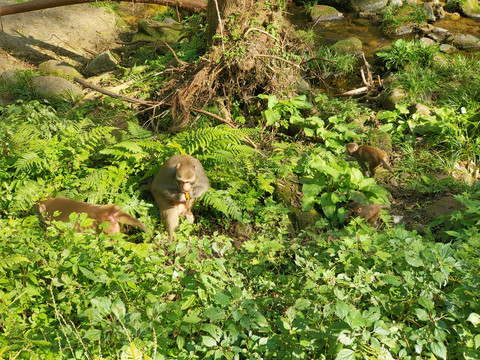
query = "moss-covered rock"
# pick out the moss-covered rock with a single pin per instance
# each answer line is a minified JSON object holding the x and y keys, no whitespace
{"x":102,"y":63}
{"x":325,"y":13}
{"x":59,"y":68}
{"x":167,"y":30}
{"x":350,"y":45}
{"x":470,"y":8}
{"x":367,"y":5}
{"x":53,"y":86}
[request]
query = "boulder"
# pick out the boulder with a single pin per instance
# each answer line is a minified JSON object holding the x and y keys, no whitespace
{"x":428,"y":7}
{"x":53,"y":86}
{"x":392,"y":98}
{"x":464,"y":41}
{"x":325,"y":13}
{"x":351,"y":45}
{"x":102,"y":63}
{"x":470,"y":8}
{"x":59,"y":68}
{"x":167,"y":30}
{"x":443,"y":207}
{"x":367,"y":5}
{"x":447,"y":49}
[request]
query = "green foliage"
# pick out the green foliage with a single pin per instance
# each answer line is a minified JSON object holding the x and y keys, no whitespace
{"x":328,"y":62}
{"x":402,"y":53}
{"x":333,"y":131}
{"x":330,"y":182}
{"x":394,"y":17}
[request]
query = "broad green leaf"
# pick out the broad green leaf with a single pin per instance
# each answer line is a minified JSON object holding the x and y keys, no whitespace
{"x":474,"y":318}
{"x":426,"y":303}
{"x":192,"y":317}
{"x":302,"y":304}
{"x":345,"y":354}
{"x":421,"y":314}
{"x":118,"y":308}
{"x":209,"y":341}
{"x":439,"y":349}
{"x":341,"y":309}
{"x":189,"y":302}
{"x":180,"y":342}
{"x":214,"y":313}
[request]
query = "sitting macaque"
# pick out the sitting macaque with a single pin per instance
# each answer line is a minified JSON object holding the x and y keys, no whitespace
{"x":100,"y":213}
{"x":369,"y":212}
{"x":373,"y":156}
{"x":180,"y":180}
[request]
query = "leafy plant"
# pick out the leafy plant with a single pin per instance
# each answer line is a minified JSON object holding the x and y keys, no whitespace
{"x":403,"y":52}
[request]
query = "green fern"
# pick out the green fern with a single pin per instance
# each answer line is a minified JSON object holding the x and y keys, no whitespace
{"x":211,"y":140}
{"x":29,"y":162}
{"x":221,"y":201}
{"x":8,"y":262}
{"x":137,"y":132}
{"x":133,"y":353}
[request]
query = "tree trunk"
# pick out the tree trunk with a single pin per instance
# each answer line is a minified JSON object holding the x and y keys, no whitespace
{"x":221,"y":10}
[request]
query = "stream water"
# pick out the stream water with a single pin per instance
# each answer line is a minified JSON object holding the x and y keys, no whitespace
{"x":372,"y":38}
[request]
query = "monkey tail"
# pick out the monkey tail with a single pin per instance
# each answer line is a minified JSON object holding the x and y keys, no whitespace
{"x":386,"y":207}
{"x":387,"y":166}
{"x":124,"y":218}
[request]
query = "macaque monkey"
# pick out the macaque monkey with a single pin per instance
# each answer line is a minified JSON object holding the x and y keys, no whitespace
{"x":373,"y":156}
{"x":180,"y":180}
{"x":369,"y":212}
{"x":100,"y":213}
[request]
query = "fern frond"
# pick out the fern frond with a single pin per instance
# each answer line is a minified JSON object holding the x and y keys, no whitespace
{"x":138,"y":132}
{"x":132,"y":353}
{"x":6,"y":263}
{"x":221,"y":201}
{"x":30,"y":161}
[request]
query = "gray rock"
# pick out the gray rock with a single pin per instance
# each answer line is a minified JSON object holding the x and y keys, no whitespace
{"x":52,"y":86}
{"x":428,"y":7}
{"x":390,"y":99}
{"x":443,"y":206}
{"x":68,"y":33}
{"x":464,"y":41}
{"x":325,"y":13}
{"x":167,"y":30}
{"x":405,"y":29}
{"x":102,"y":63}
{"x":419,"y":109}
{"x":59,"y":68}
{"x":438,"y":10}
{"x":447,"y":49}
{"x":427,"y":41}
{"x":9,"y":77}
{"x":367,"y":5}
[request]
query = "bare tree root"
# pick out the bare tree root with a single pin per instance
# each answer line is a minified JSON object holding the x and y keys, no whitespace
{"x":243,"y":62}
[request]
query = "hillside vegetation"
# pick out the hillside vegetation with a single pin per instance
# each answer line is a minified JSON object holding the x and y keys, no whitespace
{"x":265,"y":272}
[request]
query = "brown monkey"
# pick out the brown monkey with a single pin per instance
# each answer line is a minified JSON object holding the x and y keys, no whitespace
{"x":373,"y":156}
{"x":369,"y":212}
{"x":180,"y":180}
{"x":100,"y":213}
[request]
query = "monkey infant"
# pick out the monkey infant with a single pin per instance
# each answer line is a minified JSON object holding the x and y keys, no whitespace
{"x":180,"y":180}
{"x":369,"y":212}
{"x":373,"y":156}
{"x":100,"y":213}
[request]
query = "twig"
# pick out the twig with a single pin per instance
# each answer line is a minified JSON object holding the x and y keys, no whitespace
{"x":278,"y":58}
{"x":220,"y":24}
{"x":353,"y":92}
{"x":112,"y":94}
{"x":183,"y":63}
{"x":260,"y":30}
{"x":318,"y":58}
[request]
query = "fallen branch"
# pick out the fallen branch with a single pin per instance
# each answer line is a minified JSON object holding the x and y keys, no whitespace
{"x":189,"y":5}
{"x":112,"y":94}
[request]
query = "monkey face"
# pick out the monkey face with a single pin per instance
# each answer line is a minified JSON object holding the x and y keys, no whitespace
{"x":351,"y":148}
{"x":186,"y":177}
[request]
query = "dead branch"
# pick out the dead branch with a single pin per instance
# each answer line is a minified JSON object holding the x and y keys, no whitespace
{"x":188,"y":5}
{"x":112,"y":94}
{"x":183,"y":63}
{"x":259,"y":30}
{"x":278,"y":58}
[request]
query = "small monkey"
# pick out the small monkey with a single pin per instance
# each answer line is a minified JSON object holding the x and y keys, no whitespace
{"x":373,"y":156}
{"x":100,"y":213}
{"x":369,"y":212}
{"x":180,"y":180}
